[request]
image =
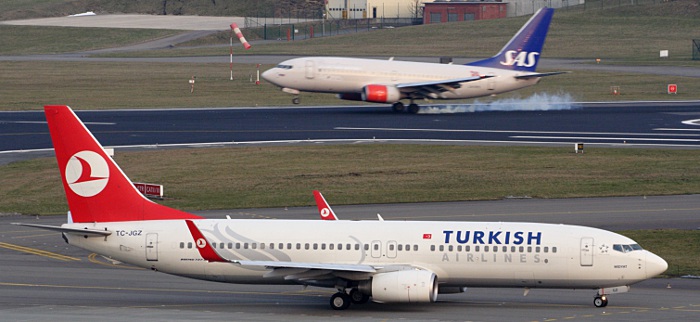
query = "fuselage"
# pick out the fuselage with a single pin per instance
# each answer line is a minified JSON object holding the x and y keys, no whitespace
{"x":350,"y":75}
{"x":489,"y":254}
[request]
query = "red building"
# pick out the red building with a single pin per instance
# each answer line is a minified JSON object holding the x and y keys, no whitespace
{"x":448,"y":11}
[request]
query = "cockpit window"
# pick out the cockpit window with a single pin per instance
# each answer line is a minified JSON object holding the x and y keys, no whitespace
{"x":626,"y":248}
{"x":284,"y":66}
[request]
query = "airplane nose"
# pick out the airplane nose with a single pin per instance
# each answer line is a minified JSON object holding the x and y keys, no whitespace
{"x":655,"y":265}
{"x":267,"y":75}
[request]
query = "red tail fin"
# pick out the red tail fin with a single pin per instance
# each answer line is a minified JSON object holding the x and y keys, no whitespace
{"x":96,"y":188}
{"x":324,"y":209}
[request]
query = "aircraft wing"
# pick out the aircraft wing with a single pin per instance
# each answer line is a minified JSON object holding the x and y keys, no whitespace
{"x":309,"y":266}
{"x":75,"y":231}
{"x":433,"y":89}
{"x":303,"y":272}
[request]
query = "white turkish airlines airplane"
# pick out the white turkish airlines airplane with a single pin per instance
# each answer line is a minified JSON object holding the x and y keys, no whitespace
{"x":385,"y":261}
{"x":390,"y":81}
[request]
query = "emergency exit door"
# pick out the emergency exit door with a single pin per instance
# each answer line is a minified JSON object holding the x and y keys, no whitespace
{"x":152,"y":247}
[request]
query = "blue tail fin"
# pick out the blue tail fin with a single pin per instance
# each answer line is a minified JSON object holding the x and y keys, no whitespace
{"x":523,"y":50}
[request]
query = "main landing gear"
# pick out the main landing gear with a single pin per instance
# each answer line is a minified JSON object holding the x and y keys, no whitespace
{"x":413,"y":108}
{"x":600,"y":301}
{"x":295,"y":100}
{"x":342,"y":300}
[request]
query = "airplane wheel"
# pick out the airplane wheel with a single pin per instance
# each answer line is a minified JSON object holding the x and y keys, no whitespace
{"x":358,"y":297}
{"x":413,"y":108}
{"x":340,"y":301}
{"x":295,"y":100}
{"x":397,"y":107}
{"x":600,"y":301}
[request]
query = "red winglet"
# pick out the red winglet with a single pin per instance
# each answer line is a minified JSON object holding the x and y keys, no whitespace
{"x":203,"y":245}
{"x":324,"y":209}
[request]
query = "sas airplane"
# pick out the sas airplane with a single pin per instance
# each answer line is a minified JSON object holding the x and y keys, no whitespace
{"x":391,"y":81}
{"x":382,"y":261}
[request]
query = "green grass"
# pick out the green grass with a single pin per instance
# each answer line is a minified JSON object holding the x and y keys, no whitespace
{"x":30,"y":40}
{"x":23,"y":9}
{"x":282,"y":176}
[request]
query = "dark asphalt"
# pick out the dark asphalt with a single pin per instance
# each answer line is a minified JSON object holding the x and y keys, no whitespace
{"x":633,"y":124}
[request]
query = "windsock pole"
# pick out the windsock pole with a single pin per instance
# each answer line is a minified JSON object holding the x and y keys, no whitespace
{"x":230,"y":59}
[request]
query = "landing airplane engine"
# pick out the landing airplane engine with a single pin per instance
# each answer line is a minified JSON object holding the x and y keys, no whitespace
{"x":381,"y":94}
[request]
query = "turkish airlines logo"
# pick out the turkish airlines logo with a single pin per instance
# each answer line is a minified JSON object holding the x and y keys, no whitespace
{"x":87,"y":173}
{"x":201,"y":243}
{"x":325,"y":212}
{"x":520,"y":59}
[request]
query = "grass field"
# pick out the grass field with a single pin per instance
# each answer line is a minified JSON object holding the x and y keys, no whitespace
{"x":282,"y":176}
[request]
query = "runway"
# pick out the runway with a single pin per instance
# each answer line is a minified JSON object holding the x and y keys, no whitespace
{"x":44,"y":279}
{"x":654,"y":124}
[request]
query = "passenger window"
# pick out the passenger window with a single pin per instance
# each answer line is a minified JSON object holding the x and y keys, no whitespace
{"x":230,"y":245}
{"x":467,"y":248}
{"x":449,"y":248}
{"x":357,"y":247}
{"x":486,"y":249}
{"x":442,"y":248}
{"x":537,"y":249}
{"x":554,"y":249}
{"x":254,"y":245}
{"x":391,"y":247}
{"x":415,"y":248}
{"x":505,"y":249}
{"x":366,"y":246}
{"x":189,"y":245}
{"x":432,"y":248}
{"x":459,"y":248}
{"x":307,"y":246}
{"x":315,"y":246}
{"x":546,"y":249}
{"x":376,"y":246}
{"x":400,"y":247}
{"x":182,"y":244}
{"x":298,"y":245}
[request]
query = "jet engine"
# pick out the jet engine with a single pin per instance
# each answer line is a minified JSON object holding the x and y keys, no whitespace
{"x":409,"y":286}
{"x":381,"y":94}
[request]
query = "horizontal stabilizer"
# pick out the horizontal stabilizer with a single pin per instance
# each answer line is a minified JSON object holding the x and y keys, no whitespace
{"x":76,"y":231}
{"x":534,"y":75}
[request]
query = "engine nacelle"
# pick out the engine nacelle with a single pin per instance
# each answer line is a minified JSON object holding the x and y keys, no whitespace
{"x":410,"y":286}
{"x":381,"y":94}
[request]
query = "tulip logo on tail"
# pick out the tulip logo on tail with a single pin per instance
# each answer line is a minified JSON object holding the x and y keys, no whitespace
{"x":201,"y":243}
{"x":87,"y":173}
{"x":325,"y":212}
